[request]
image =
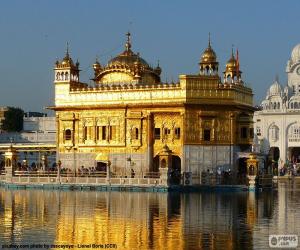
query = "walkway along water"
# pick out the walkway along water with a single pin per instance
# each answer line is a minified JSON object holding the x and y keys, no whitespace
{"x":164,"y":180}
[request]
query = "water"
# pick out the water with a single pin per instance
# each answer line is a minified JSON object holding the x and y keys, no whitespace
{"x":132,"y":220}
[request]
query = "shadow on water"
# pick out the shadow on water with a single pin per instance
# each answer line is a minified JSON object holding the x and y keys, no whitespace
{"x":238,"y":220}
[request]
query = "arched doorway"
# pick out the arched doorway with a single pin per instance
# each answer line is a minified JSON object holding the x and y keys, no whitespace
{"x":273,"y":158}
{"x":175,"y":171}
{"x":155,"y":164}
{"x":101,"y":166}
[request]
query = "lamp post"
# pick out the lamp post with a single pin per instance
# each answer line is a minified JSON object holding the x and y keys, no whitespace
{"x":58,"y":170}
{"x":43,"y":162}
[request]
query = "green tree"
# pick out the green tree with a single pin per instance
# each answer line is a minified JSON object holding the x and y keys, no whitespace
{"x":13,"y":121}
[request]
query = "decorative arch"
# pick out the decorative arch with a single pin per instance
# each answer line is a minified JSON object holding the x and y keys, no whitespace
{"x":293,"y":130}
{"x":68,"y":135}
{"x":273,"y":132}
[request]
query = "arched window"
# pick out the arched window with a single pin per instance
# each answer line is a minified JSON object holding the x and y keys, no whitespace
{"x":274,"y":133}
{"x":8,"y":162}
{"x":292,"y":105}
{"x":278,"y":105}
{"x":57,"y":76}
{"x":295,"y":105}
{"x":62,"y":76}
{"x":68,"y":134}
{"x":207,"y":70}
{"x":66,"y":76}
{"x":163,"y":163}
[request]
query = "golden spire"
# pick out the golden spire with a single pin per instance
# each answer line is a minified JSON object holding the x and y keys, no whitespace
{"x":67,"y":51}
{"x":209,"y":39}
{"x":232,"y":54}
{"x":128,"y":43}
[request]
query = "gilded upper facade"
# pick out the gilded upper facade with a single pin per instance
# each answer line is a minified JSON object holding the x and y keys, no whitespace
{"x":129,"y":113}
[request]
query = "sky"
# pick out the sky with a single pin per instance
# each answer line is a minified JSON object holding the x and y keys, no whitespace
{"x":33,"y":35}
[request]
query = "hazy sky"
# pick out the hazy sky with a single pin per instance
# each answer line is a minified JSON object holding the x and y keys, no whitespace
{"x":34,"y":34}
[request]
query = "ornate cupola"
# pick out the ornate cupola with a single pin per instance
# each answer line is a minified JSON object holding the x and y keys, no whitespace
{"x":126,"y":68}
{"x":208,"y":62}
{"x":232,"y":73}
{"x":97,"y":67}
{"x":66,"y":70}
{"x":157,"y":69}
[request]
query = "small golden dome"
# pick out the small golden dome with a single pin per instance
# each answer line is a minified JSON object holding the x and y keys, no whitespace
{"x":67,"y":60}
{"x":231,"y":63}
{"x":96,"y":65}
{"x":208,"y":56}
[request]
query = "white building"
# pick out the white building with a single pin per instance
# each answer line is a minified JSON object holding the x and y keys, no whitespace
{"x":35,"y":130}
{"x":33,"y":142}
{"x":277,"y":125}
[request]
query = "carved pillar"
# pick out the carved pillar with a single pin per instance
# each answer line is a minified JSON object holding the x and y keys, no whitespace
{"x":10,"y":162}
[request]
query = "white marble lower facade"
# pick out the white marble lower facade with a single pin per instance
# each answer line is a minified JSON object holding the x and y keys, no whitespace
{"x":200,"y":158}
{"x":197,"y":158}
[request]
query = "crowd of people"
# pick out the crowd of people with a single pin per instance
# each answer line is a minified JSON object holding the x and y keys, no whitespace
{"x":290,"y":169}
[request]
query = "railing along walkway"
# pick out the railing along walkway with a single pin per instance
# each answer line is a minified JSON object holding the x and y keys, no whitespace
{"x":90,"y":178}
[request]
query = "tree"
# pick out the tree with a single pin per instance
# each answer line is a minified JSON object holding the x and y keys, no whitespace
{"x":13,"y":120}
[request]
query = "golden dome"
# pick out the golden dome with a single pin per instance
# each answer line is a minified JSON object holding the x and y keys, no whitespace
{"x":127,"y":67}
{"x":208,"y":56}
{"x":231,"y":63}
{"x":127,"y":58}
{"x":233,"y":68}
{"x":67,"y":60}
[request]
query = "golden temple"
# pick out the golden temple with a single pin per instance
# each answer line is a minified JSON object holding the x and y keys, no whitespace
{"x":132,"y":120}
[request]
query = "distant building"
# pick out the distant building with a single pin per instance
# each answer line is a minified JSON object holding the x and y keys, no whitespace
{"x":35,"y":130}
{"x":34,"y":114}
{"x":277,"y":125}
{"x":34,"y":141}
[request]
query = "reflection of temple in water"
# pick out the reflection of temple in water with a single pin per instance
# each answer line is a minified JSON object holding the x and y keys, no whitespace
{"x":141,"y":220}
{"x":24,"y":211}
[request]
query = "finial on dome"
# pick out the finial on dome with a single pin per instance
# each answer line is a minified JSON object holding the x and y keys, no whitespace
{"x":67,"y":51}
{"x":232,"y":54}
{"x":128,"y":42}
{"x":209,"y":39}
